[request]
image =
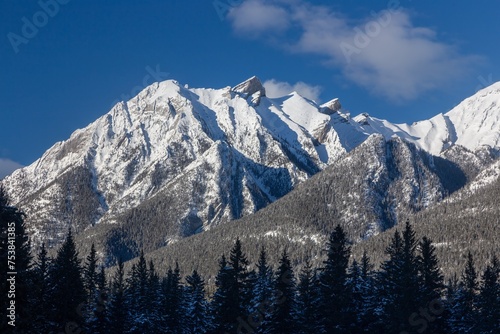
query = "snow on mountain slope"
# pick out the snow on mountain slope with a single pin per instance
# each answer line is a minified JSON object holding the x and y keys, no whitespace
{"x":174,"y":161}
{"x":477,"y":119}
{"x":204,"y":155}
{"x":473,"y":123}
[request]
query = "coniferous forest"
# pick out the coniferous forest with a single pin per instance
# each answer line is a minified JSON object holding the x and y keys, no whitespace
{"x":74,"y":293}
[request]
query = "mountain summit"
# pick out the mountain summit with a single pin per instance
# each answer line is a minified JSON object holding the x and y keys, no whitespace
{"x":205,"y":156}
{"x":473,"y":123}
{"x":173,"y":161}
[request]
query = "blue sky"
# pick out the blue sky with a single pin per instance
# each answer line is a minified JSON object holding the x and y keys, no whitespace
{"x":64,"y":63}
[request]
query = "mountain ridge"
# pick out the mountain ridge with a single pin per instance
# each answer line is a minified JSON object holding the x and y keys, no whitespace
{"x":209,"y":156}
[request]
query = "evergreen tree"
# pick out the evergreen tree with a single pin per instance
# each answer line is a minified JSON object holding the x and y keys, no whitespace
{"x":282,"y":319}
{"x":362,"y":303}
{"x":335,"y":295}
{"x":399,"y":283}
{"x":232,"y":300}
{"x":153,"y":304}
{"x":137,"y":295}
{"x":15,"y":258}
{"x":464,"y":314}
{"x":307,"y":300}
{"x":97,"y":316}
{"x":367,"y":317}
{"x":90,"y":272}
{"x":431,"y":290}
{"x":172,"y":303}
{"x":366,"y":266}
{"x":225,"y":303}
{"x":262,"y":291}
{"x":430,"y":275}
{"x":89,"y":281}
{"x":489,"y":298}
{"x":118,"y":308}
{"x":101,"y":302}
{"x":40,"y":292}
{"x":197,"y":319}
{"x":67,"y":293}
{"x":238,"y":261}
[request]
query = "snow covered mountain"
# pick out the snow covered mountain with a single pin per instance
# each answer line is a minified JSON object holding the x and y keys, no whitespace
{"x":473,"y":124}
{"x":370,"y":191}
{"x":175,"y":161}
{"x":182,"y":160}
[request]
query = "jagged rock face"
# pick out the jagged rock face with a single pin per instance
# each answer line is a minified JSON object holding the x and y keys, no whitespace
{"x":250,"y":87}
{"x":372,"y":188}
{"x":376,"y":186}
{"x":172,"y":162}
{"x":331,"y":107}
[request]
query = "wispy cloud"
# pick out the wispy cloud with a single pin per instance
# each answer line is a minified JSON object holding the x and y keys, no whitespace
{"x":276,"y":88}
{"x":256,"y":17}
{"x":7,"y":166}
{"x":386,"y":53}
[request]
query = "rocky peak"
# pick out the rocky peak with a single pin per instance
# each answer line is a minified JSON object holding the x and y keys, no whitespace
{"x":331,"y":107}
{"x":250,"y":87}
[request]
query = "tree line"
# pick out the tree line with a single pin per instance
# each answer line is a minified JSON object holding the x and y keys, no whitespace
{"x":407,"y":294}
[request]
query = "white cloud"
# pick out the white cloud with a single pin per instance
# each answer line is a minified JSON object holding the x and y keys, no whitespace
{"x":255,"y":17}
{"x":384,"y":53}
{"x":276,"y":88}
{"x":7,"y":166}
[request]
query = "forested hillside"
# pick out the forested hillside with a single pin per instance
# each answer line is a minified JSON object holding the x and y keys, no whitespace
{"x":406,"y":294}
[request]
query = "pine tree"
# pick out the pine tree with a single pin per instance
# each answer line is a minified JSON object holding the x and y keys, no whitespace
{"x":137,"y":295}
{"x":90,"y":271}
{"x":89,"y":281}
{"x":40,"y":292}
{"x":367,"y":318}
{"x":238,"y":261}
{"x":366,"y":266}
{"x":118,"y":308}
{"x":464,"y":314}
{"x":261,"y":295}
{"x":172,"y":302}
{"x":430,"y":275}
{"x":333,"y":283}
{"x":67,"y":293}
{"x":431,"y":290}
{"x":232,"y":300}
{"x":197,"y":319}
{"x":361,"y":305}
{"x":399,"y":283}
{"x":282,"y":319}
{"x":225,"y":303}
{"x":489,"y":298}
{"x":307,"y":301}
{"x":153,"y":304}
{"x":15,"y":258}
{"x":97,"y":319}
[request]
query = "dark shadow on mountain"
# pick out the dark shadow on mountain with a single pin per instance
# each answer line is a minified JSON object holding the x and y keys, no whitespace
{"x":450,"y":174}
{"x":277,"y":181}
